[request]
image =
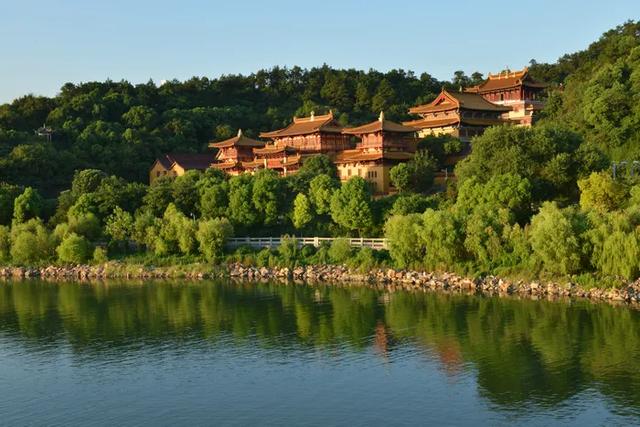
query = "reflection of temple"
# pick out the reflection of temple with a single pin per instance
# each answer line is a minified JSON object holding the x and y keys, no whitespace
{"x":381,"y":342}
{"x":450,"y":356}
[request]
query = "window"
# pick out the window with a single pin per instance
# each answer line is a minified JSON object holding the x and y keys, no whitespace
{"x":349,"y":172}
{"x":158,"y":174}
{"x":502,"y":97}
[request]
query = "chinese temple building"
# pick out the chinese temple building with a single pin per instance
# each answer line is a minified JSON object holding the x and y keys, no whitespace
{"x":172,"y":165}
{"x":311,"y":135}
{"x":514,"y":89}
{"x":371,"y":150}
{"x":459,"y":114}
{"x":233,"y":152}
{"x":284,"y":159}
{"x":383,"y":144}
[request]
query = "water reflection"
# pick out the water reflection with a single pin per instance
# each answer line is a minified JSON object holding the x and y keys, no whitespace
{"x":519,"y":352}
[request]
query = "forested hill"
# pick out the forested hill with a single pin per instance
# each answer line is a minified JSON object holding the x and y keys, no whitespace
{"x":120,"y":128}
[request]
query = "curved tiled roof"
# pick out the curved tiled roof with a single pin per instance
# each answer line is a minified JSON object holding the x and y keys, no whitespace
{"x":378,"y":155}
{"x":379,"y":125}
{"x":506,"y":80}
{"x":239,"y":140}
{"x":433,"y":123}
{"x":274,"y":149}
{"x":450,"y":100}
{"x":305,"y":126}
{"x":225,"y":165}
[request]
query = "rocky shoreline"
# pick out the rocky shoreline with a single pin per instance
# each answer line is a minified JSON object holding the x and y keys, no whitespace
{"x":389,"y":279}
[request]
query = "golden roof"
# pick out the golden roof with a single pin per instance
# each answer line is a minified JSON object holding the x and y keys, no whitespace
{"x":368,"y":157}
{"x":457,"y":100}
{"x":306,"y":125}
{"x":505,"y":80}
{"x":379,"y":125}
{"x":237,"y":141}
{"x":275,"y":149}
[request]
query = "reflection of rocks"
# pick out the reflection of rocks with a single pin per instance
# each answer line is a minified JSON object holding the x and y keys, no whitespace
{"x":388,"y":279}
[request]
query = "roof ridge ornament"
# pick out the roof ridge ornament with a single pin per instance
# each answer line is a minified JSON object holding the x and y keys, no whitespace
{"x":381,"y":117}
{"x":313,"y":116}
{"x":239,"y":132}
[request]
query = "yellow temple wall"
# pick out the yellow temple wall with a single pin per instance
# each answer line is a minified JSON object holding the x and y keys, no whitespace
{"x":157,"y":171}
{"x":376,"y":174}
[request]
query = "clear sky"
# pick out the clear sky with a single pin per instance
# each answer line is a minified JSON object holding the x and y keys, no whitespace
{"x":45,"y":43}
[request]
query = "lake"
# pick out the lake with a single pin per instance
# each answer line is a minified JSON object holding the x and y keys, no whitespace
{"x":216,"y":353}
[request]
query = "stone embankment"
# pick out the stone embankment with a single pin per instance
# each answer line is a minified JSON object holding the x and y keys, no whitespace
{"x":389,"y":279}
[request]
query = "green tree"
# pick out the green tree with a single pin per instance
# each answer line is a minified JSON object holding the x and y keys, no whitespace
{"x":27,"y":205}
{"x":267,"y":195}
{"x":30,"y":242}
{"x":74,"y":249}
{"x":158,"y":196}
{"x":321,"y":189}
{"x":86,"y":181}
{"x":212,"y":235}
{"x":302,"y":211}
{"x":119,"y":225}
{"x":415,"y":175}
{"x":555,"y":240}
{"x":185,"y":192}
{"x":241,"y":210}
{"x":214,"y":201}
{"x":351,"y":205}
{"x":601,"y":192}
{"x":384,"y":97}
{"x":405,"y":245}
{"x":8,"y":194}
{"x":442,"y":236}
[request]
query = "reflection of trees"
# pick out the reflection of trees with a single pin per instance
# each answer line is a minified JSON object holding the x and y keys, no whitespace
{"x":521,"y":350}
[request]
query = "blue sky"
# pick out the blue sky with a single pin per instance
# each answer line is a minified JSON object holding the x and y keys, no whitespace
{"x":44,"y":44}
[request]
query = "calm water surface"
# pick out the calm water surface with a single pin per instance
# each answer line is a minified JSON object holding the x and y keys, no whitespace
{"x":215,"y":353}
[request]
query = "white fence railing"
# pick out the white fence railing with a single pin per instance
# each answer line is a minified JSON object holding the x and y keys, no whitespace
{"x":273,"y":242}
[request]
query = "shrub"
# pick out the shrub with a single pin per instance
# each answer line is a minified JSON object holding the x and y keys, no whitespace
{"x":27,"y":205}
{"x":100,"y":255}
{"x":302,"y":211}
{"x":351,"y":205}
{"x":263,"y":259}
{"x":119,"y":225}
{"x":340,"y":250}
{"x":442,"y":237}
{"x":30,"y":242}
{"x":212,"y":235}
{"x":5,"y":243}
{"x":364,"y":260}
{"x":289,"y":250}
{"x":554,"y":241}
{"x":85,"y":224}
{"x":74,"y":249}
{"x":405,"y":246}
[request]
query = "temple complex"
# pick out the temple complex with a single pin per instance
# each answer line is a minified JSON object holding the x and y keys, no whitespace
{"x":284,"y":160}
{"x":371,"y":150}
{"x":233,"y":152}
{"x":516,"y":90}
{"x":459,"y":114}
{"x":383,"y":144}
{"x":311,"y":135}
